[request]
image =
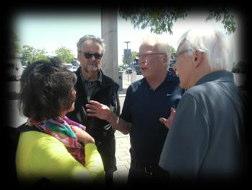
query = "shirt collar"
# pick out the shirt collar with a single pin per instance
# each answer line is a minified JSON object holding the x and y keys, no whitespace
{"x":99,"y":79}
{"x":169,"y":79}
{"x":217,"y":75}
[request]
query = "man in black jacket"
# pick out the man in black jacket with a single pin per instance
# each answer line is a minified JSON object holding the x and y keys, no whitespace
{"x":92,"y":84}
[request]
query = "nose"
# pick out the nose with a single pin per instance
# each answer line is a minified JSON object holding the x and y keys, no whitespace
{"x":73,"y":92}
{"x":92,"y":57}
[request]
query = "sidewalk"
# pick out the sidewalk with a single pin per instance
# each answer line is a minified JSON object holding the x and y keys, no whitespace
{"x":122,"y":150}
{"x":122,"y":157}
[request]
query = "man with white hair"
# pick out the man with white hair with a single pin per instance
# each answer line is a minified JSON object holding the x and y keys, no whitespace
{"x":205,"y":137}
{"x":146,"y":101}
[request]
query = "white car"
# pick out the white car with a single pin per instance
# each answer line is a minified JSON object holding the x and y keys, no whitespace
{"x":71,"y":67}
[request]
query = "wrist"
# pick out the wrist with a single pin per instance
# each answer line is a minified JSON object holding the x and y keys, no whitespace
{"x":113,"y":119}
{"x":110,"y":117}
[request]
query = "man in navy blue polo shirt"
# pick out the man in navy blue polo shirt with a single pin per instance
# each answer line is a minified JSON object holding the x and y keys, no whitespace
{"x":147,"y":100}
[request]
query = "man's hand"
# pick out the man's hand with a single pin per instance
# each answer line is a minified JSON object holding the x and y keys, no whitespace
{"x":169,"y":121}
{"x":96,"y":109}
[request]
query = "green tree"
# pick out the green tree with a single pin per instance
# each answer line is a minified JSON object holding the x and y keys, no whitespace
{"x":128,"y":59}
{"x":225,"y":16}
{"x":29,"y":54}
{"x":171,"y":50}
{"x":162,"y":19}
{"x":134,"y":55}
{"x":65,"y":54}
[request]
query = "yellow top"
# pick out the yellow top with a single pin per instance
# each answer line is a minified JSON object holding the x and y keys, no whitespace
{"x":40,"y":155}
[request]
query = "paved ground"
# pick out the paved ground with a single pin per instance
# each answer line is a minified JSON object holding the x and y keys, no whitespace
{"x":122,"y":157}
{"x":122,"y":151}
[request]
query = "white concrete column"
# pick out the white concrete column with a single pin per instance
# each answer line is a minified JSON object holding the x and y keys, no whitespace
{"x":109,"y":34}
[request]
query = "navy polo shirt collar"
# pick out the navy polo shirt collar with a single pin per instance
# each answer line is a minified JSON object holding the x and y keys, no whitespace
{"x":168,"y":79}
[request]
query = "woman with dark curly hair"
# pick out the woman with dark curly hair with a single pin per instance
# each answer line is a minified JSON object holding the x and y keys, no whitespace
{"x":52,"y":147}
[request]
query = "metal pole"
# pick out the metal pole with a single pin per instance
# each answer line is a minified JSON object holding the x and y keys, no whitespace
{"x":127,"y":43}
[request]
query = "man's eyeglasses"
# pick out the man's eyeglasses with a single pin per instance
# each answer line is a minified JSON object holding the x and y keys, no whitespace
{"x":181,"y":52}
{"x":144,"y":55}
{"x":88,"y":55}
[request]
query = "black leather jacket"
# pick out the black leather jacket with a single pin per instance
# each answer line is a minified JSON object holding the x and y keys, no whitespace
{"x":99,"y":129}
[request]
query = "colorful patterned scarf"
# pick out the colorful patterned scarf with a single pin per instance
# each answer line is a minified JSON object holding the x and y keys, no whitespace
{"x":60,"y":128}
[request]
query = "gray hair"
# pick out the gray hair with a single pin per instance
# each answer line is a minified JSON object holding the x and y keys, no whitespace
{"x":159,"y":44}
{"x":92,"y":38}
{"x":212,"y":42}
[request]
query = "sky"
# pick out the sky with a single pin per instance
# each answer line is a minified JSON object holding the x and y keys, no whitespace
{"x":52,"y":31}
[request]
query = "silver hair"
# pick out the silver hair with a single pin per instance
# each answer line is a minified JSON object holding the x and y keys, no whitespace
{"x":92,"y":38}
{"x":159,"y":44}
{"x":212,"y":42}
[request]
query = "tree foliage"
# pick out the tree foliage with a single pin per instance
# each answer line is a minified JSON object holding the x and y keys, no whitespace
{"x":128,"y":58}
{"x":65,"y":54}
{"x":134,"y":55}
{"x":171,"y":50}
{"x":158,"y":19}
{"x":161,"y":20}
{"x":29,"y":54}
{"x":225,"y":16}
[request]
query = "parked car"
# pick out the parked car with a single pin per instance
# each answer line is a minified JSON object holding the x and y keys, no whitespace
{"x":135,"y":65}
{"x":75,"y":62}
{"x":71,"y":67}
{"x":129,"y":70}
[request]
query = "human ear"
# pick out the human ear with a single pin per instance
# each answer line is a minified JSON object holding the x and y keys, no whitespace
{"x":197,"y":58}
{"x":165,"y":59}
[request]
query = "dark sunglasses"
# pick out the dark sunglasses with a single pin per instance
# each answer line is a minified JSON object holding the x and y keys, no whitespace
{"x":89,"y":55}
